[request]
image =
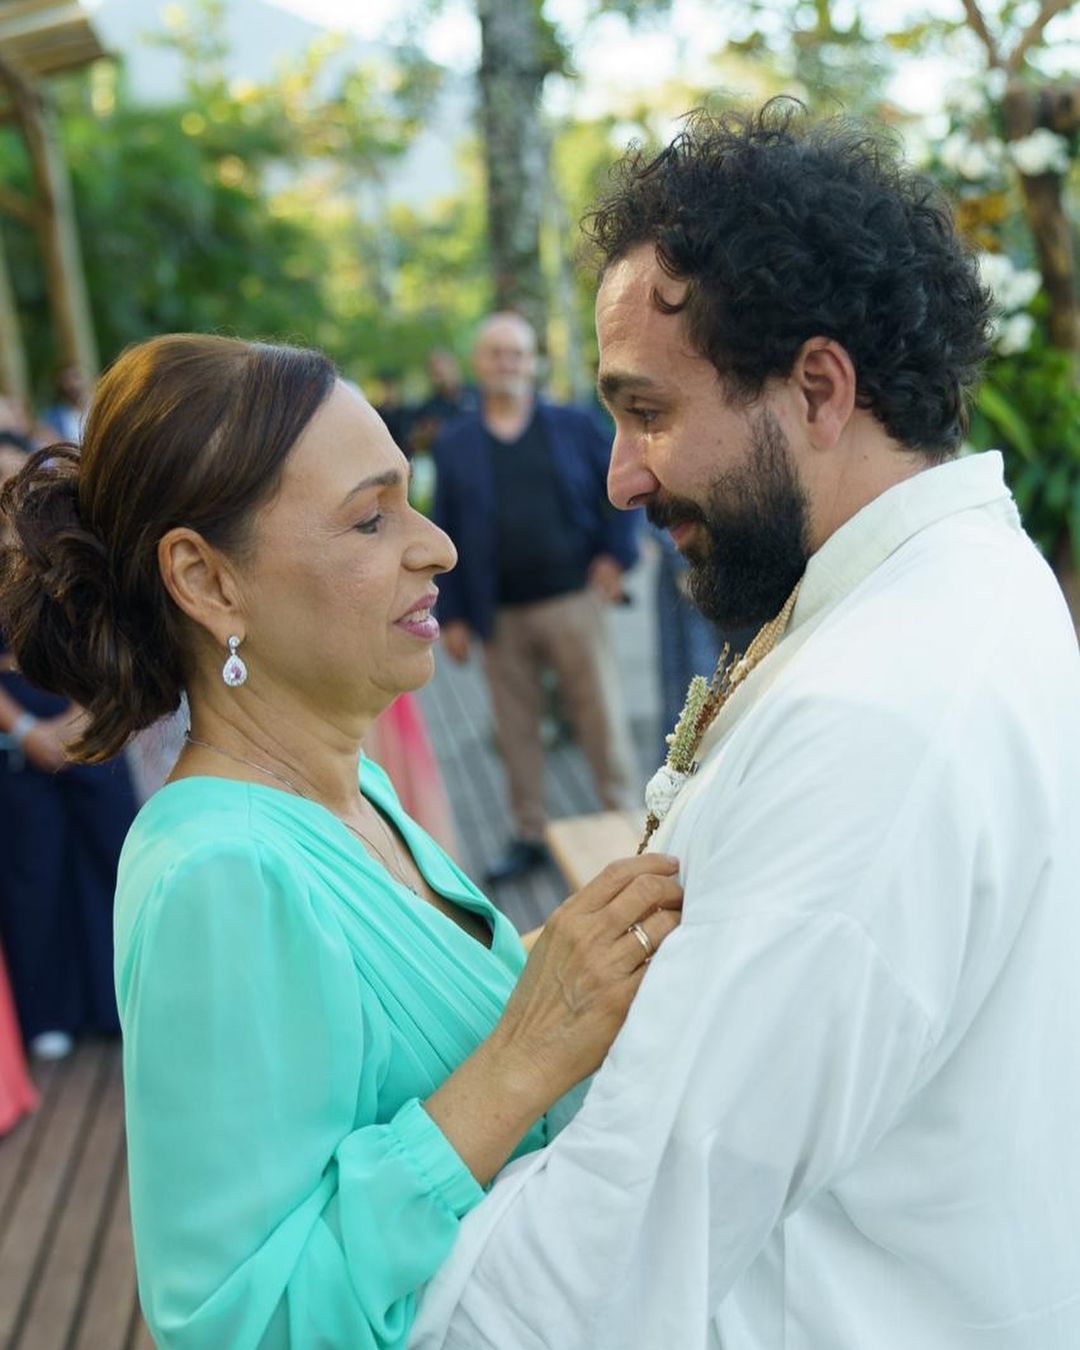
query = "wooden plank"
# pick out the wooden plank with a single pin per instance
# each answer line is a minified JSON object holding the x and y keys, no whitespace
{"x":17,"y":1148}
{"x":584,"y":845}
{"x":24,"y":1243}
{"x":457,"y":708}
{"x":58,"y":1291}
{"x":110,"y":1313}
{"x":460,"y":721}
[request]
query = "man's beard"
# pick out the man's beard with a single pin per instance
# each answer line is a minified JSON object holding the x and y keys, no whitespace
{"x":755,"y":524}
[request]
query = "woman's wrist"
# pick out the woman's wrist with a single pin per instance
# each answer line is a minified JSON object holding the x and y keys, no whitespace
{"x":488,"y":1104}
{"x":518,"y":1076}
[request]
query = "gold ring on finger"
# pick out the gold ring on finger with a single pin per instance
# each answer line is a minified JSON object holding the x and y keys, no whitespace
{"x":645,"y":940}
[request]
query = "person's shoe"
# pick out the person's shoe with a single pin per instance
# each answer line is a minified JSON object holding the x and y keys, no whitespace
{"x":521,"y":857}
{"x":52,"y":1045}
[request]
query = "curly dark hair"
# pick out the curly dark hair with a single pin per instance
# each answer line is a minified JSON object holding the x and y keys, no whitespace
{"x":788,"y":229}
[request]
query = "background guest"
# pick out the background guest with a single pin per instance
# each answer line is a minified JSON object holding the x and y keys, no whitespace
{"x":65,"y":415}
{"x":64,"y":825}
{"x":520,"y":488}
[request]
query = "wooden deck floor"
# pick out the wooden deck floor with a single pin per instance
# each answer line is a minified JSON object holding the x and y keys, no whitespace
{"x":66,"y":1270}
{"x":66,"y":1274}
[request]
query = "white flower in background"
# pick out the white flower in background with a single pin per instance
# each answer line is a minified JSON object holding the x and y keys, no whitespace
{"x":995,"y":83}
{"x":918,"y":147}
{"x":951,"y":149}
{"x":967,"y":101}
{"x":973,"y":160}
{"x":1014,"y":334}
{"x":1014,"y":287}
{"x":1044,"y":151}
{"x":1022,"y":287}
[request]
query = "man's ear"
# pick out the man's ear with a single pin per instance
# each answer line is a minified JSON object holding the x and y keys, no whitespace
{"x":823,"y":377}
{"x":202,"y":583}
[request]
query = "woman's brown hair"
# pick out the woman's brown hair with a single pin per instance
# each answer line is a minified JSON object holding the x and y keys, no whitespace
{"x":185,"y":430}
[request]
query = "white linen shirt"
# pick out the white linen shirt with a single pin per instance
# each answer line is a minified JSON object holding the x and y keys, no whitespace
{"x":844,"y":1112}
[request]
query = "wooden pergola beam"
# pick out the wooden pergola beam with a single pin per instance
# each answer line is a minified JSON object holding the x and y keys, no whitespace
{"x":56,"y":226}
{"x":14,"y":378}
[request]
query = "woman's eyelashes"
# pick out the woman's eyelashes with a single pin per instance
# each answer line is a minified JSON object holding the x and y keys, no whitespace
{"x":371,"y":525}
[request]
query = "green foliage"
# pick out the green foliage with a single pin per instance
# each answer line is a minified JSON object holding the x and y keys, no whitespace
{"x":1029,"y":407}
{"x":250,"y":209}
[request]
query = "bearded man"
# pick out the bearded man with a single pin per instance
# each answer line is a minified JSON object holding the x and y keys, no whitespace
{"x":844,"y":1110}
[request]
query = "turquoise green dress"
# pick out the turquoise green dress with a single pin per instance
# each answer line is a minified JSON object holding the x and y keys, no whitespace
{"x":286,"y":1009}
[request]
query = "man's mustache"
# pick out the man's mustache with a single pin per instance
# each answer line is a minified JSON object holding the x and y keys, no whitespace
{"x":668,"y":512}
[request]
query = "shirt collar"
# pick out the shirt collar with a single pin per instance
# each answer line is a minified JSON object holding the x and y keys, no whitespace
{"x":863,"y":543}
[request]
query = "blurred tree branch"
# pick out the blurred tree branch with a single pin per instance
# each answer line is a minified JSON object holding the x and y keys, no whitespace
{"x":977,"y":24}
{"x":1033,"y":34}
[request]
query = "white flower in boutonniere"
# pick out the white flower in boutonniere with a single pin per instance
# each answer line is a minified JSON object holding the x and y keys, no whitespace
{"x":662,"y":789}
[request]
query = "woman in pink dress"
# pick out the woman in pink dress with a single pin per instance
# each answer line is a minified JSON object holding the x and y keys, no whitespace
{"x":17,"y":1095}
{"x":398,"y":742}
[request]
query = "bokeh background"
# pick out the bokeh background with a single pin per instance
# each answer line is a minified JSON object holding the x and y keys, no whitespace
{"x":371,"y":178}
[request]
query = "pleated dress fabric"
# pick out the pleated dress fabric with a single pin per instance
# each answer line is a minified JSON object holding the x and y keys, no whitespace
{"x":286,"y":1008}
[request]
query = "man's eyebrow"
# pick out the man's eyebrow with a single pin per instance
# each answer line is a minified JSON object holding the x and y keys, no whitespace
{"x":391,"y":478}
{"x":615,"y":382}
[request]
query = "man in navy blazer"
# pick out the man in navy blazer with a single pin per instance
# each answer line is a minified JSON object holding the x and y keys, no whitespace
{"x":521,"y":490}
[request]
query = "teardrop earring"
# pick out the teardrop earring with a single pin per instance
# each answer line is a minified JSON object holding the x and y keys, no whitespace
{"x":234,"y":672}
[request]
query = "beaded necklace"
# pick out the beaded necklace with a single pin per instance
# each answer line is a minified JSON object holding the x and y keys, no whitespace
{"x":704,"y":699}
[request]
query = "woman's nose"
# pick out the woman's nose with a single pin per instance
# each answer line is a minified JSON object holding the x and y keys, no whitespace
{"x":430,"y":548}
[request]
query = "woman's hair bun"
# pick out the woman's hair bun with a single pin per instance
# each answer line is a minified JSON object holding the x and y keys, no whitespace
{"x":57,"y":593}
{"x":43,"y":502}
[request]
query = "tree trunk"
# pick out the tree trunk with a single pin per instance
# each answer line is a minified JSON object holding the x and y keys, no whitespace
{"x":1044,"y":207}
{"x":1059,"y":109}
{"x":578,"y":380}
{"x":512,"y":74}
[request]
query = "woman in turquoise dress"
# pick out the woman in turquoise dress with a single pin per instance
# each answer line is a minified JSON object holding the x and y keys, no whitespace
{"x":332,"y":1041}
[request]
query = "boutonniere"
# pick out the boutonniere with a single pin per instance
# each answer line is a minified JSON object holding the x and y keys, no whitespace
{"x":704,"y":699}
{"x":666,"y":783}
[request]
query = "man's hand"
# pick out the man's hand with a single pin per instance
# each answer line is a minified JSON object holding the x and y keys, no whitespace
{"x":457,"y":639}
{"x":605,"y":577}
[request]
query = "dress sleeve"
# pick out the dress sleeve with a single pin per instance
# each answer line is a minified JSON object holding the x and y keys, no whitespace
{"x":263,"y":1216}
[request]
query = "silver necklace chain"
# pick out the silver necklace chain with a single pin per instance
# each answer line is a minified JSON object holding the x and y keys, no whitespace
{"x":395,"y":869}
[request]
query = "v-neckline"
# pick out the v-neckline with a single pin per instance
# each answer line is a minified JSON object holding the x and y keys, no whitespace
{"x":411,"y":895}
{"x":484,"y":910}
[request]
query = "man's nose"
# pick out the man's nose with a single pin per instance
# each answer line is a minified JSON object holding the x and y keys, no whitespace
{"x":629,"y":482}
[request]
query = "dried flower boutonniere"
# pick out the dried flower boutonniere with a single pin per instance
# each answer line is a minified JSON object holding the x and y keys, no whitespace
{"x":704,"y":699}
